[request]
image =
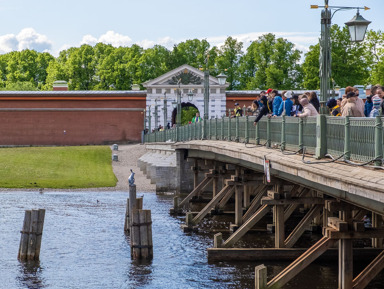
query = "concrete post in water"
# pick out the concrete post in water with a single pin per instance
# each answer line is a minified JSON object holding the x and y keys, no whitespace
{"x":260,"y":277}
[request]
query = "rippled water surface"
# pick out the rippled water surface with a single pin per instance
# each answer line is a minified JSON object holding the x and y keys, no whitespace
{"x":84,"y":246}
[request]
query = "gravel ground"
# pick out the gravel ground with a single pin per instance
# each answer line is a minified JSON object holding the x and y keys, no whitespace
{"x":127,"y":159}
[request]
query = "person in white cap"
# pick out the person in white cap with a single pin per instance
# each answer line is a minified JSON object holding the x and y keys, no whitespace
{"x":286,"y":106}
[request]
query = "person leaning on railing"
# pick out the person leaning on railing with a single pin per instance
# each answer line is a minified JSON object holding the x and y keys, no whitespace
{"x":334,"y":107}
{"x":350,"y":108}
{"x":266,"y":109}
{"x":308,"y":108}
{"x":237,"y":111}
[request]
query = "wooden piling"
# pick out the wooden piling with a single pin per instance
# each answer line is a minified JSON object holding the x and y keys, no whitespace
{"x":135,"y":235}
{"x":139,"y":206}
{"x":261,"y":277}
{"x":39,"y":235}
{"x":23,"y":248}
{"x":141,"y":235}
{"x":31,"y":235}
{"x":218,"y":240}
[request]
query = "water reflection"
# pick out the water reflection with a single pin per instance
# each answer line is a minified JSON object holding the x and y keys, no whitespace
{"x":30,"y":275}
{"x":84,"y":246}
{"x":140,"y":274}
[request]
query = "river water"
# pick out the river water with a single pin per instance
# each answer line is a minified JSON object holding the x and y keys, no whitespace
{"x":84,"y":246}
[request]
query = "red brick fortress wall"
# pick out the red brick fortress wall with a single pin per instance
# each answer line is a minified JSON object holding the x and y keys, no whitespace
{"x":71,"y":118}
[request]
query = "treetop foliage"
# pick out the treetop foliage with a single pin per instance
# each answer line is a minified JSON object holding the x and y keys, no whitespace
{"x":268,"y":62}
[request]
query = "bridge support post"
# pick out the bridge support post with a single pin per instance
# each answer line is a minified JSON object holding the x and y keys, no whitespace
{"x":238,"y":205}
{"x":377,"y":222}
{"x":261,"y":277}
{"x":278,"y":212}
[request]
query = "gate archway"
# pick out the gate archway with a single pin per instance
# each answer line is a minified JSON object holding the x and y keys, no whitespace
{"x":183,"y":106}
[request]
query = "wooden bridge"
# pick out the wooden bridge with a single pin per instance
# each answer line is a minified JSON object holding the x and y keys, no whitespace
{"x":336,"y":193}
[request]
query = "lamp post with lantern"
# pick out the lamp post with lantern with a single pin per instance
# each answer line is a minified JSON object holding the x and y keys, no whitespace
{"x":357,"y":27}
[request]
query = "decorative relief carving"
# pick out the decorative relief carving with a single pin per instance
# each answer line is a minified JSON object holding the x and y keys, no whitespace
{"x":186,"y":77}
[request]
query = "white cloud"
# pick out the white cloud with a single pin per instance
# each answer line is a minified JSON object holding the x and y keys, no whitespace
{"x":27,"y":38}
{"x":8,"y":43}
{"x":111,"y":37}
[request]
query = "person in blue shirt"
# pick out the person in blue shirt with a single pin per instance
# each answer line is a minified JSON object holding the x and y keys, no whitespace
{"x":286,"y":106}
{"x":277,"y":100}
{"x":368,"y":105}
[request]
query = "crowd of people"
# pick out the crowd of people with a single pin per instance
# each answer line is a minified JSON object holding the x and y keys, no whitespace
{"x":271,"y":104}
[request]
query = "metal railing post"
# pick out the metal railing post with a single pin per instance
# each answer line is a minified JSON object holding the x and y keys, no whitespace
{"x":347,"y":139}
{"x":237,"y":138}
{"x":321,"y":136}
{"x":283,"y":136}
{"x":209,"y":129}
{"x":216,"y":131}
{"x":246,"y":136}
{"x":222,"y":128}
{"x":229,"y":129}
{"x":378,"y":141}
{"x":268,"y":133}
{"x":203,"y":130}
{"x":301,"y":134}
{"x":257,"y":134}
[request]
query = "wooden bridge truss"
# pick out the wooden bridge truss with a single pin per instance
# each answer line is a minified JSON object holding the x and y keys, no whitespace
{"x":254,"y":198}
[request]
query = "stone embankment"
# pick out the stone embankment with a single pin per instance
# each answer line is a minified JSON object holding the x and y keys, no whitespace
{"x":159,"y":165}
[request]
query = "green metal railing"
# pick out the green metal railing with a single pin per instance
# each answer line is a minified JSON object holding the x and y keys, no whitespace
{"x":358,"y":139}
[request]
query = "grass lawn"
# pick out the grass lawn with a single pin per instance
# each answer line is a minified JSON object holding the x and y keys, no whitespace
{"x":56,"y":167}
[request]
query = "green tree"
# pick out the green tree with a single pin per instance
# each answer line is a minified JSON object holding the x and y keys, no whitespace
{"x":20,"y":86}
{"x":192,"y":52}
{"x":311,"y":68}
{"x":271,"y":62}
{"x":350,"y":64}
{"x":374,"y":41}
{"x":152,"y":63}
{"x":228,"y":59}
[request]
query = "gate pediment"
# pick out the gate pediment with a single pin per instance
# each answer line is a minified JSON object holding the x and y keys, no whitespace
{"x":187,"y":75}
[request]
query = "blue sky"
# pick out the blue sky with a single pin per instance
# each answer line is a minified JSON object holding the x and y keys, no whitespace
{"x":51,"y":25}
